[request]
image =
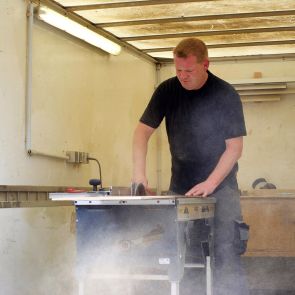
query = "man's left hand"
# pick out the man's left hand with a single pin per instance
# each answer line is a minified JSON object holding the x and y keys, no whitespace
{"x":202,"y":189}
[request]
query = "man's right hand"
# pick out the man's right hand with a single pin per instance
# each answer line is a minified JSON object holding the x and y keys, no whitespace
{"x":142,"y":180}
{"x":148,"y":191}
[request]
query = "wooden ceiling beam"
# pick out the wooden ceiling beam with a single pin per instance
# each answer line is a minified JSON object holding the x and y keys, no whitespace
{"x":167,"y":60}
{"x":199,"y":18}
{"x":210,"y":33}
{"x":227,"y":45}
{"x":129,"y":4}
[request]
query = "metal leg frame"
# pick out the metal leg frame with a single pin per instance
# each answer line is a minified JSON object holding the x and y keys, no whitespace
{"x":209,"y":288}
{"x":174,"y":288}
{"x":209,"y":275}
{"x":81,"y":287}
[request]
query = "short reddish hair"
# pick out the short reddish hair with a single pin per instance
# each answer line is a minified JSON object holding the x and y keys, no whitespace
{"x":191,"y":46}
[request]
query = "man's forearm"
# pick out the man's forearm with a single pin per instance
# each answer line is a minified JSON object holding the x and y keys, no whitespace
{"x":232,"y":153}
{"x":140,"y":146}
{"x":139,"y":157}
{"x":225,"y":164}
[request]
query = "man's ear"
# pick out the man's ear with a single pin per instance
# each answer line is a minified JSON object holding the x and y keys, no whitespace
{"x":206,"y":64}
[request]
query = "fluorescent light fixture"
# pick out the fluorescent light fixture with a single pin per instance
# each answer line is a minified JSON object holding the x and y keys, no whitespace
{"x":66,"y":24}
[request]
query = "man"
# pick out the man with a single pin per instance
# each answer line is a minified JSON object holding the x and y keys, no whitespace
{"x":205,"y":127}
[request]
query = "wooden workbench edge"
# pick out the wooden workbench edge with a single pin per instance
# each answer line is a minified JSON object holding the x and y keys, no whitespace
{"x":268,"y":193}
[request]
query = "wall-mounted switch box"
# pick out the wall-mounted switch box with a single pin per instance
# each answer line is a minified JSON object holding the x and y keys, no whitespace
{"x":77,"y":157}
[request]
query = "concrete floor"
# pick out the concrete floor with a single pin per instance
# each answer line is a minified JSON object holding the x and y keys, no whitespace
{"x":271,"y":275}
{"x":266,"y":276}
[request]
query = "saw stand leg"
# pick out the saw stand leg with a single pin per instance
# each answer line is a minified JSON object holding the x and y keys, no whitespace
{"x":208,"y":276}
{"x":174,"y":288}
{"x":81,"y":287}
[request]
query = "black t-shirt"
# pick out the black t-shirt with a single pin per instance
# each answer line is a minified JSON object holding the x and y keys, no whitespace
{"x":197,"y":122}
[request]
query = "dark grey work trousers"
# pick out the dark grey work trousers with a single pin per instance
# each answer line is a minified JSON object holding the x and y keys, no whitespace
{"x":228,"y":277}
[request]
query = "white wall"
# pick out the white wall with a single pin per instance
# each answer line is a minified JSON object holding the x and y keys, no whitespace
{"x":83,"y":99}
{"x":270,"y":143}
{"x":38,"y":254}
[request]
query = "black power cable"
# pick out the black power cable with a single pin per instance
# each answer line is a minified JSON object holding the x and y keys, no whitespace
{"x":99,"y":167}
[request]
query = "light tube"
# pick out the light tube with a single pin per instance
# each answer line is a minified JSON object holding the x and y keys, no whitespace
{"x":66,"y":24}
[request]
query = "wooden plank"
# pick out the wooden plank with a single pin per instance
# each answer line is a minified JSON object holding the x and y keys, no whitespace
{"x":272,"y":223}
{"x":268,"y":193}
{"x":129,"y":4}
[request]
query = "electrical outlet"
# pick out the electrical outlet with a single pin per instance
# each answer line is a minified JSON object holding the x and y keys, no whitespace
{"x":83,"y":158}
{"x":76,"y":157}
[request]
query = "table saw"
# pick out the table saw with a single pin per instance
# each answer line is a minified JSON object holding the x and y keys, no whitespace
{"x":123,"y":237}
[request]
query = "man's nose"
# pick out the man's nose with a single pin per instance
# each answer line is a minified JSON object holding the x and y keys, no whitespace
{"x":182,"y":75}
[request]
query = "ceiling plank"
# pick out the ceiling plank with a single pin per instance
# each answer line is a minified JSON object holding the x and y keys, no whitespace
{"x":129,"y":4}
{"x":225,"y":45}
{"x":243,"y":57}
{"x":198,"y":18}
{"x":210,"y":33}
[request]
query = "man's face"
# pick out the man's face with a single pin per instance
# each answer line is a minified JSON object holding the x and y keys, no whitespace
{"x":191,"y":74}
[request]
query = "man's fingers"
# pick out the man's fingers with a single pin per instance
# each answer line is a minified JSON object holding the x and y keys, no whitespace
{"x":202,"y":194}
{"x":149,"y":192}
{"x":197,"y":192}
{"x":191,"y":192}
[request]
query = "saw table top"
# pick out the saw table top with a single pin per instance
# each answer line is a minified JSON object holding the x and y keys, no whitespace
{"x":94,"y":198}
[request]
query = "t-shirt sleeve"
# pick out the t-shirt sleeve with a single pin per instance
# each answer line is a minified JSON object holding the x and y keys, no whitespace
{"x":232,"y":119}
{"x":156,"y":108}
